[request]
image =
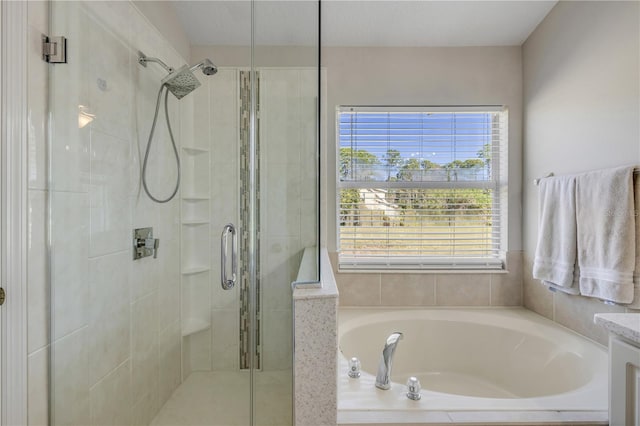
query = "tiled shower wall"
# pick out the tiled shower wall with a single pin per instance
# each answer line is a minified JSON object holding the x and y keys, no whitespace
{"x":287,"y":204}
{"x":112,"y":327}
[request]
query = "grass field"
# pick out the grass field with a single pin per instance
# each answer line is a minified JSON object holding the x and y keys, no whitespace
{"x":417,"y":238}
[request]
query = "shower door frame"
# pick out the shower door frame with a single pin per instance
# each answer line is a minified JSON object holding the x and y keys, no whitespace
{"x":14,"y":212}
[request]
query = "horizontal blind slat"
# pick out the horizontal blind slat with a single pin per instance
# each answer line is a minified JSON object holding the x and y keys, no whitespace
{"x":419,"y":183}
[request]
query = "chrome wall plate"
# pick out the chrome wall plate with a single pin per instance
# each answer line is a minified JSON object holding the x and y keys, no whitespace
{"x":144,"y":244}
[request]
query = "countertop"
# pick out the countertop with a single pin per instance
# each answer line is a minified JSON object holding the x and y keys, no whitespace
{"x":625,"y":325}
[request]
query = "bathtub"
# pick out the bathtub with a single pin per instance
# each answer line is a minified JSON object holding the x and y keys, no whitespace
{"x":479,"y":364}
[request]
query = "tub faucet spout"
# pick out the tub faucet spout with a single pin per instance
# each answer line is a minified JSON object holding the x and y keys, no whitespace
{"x":384,"y":367}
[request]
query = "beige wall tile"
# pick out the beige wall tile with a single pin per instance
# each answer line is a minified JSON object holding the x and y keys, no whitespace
{"x":358,"y":289}
{"x":407,"y":289}
{"x":535,"y":296}
{"x":576,"y":312}
{"x":506,"y":289}
{"x":463,"y":289}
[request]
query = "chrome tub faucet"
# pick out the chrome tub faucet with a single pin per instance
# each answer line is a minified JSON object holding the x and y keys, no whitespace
{"x":384,"y":367}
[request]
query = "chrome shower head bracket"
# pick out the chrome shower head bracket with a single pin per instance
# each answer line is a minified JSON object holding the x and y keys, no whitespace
{"x":144,"y":59}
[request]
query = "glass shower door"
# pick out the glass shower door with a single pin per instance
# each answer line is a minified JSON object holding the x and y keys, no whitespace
{"x":286,"y":65}
{"x":148,"y":340}
{"x":142,"y":330}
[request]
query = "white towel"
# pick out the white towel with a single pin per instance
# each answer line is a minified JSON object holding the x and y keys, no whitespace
{"x":635,"y":304}
{"x":555,"y":258}
{"x":606,"y":234}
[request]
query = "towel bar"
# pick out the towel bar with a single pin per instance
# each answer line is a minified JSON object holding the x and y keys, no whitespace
{"x":536,"y":181}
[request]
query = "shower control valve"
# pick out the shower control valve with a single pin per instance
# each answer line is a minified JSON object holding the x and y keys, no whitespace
{"x":144,"y":244}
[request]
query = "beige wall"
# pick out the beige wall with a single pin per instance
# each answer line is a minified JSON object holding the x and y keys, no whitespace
{"x":162,"y":16}
{"x":426,"y":76}
{"x":582,"y":112}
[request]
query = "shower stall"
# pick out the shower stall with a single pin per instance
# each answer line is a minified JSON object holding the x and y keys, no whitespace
{"x":180,"y":204}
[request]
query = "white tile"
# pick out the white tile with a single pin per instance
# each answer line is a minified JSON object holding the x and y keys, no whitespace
{"x":224,"y":193}
{"x":110,"y":398}
{"x":200,"y":350}
{"x":283,"y":257}
{"x":145,"y":354}
{"x":280,"y":191}
{"x":70,"y":372}
{"x":109,"y":341}
{"x":68,"y":91}
{"x":109,"y":326}
{"x":170,"y":354}
{"x":69,"y":261}
{"x":168,"y":283}
{"x":143,"y":277}
{"x":38,"y":385}
{"x":225,"y":104}
{"x":109,"y":200}
{"x":37,"y":90}
{"x":38,"y":277}
{"x":225,"y":331}
{"x":276,"y":338}
{"x":110,"y":83}
{"x":281,"y":116}
{"x":146,"y":408}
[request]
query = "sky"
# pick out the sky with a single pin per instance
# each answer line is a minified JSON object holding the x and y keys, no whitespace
{"x":437,"y":137}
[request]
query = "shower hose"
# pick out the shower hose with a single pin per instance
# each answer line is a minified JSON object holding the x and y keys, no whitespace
{"x":150,"y":141}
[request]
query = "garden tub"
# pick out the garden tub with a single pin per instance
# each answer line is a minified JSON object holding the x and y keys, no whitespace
{"x":473,"y":363}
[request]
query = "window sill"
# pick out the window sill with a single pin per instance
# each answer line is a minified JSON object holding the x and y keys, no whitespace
{"x":420,"y":271}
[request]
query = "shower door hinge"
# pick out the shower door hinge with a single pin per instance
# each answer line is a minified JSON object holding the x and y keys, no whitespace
{"x":54,"y":49}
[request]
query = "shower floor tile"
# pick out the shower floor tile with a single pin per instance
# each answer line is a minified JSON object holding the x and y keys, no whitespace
{"x":222,"y":399}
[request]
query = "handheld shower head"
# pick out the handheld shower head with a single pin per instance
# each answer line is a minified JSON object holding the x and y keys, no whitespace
{"x":181,"y":82}
{"x":208,"y":68}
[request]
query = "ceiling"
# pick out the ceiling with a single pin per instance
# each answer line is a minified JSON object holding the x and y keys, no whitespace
{"x":363,"y":22}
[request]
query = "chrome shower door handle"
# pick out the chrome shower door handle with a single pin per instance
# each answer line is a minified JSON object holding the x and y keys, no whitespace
{"x":228,"y":283}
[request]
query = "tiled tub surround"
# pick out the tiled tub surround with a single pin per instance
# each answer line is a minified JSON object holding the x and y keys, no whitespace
{"x":489,"y":365}
{"x":113,"y":327}
{"x":432,"y":288}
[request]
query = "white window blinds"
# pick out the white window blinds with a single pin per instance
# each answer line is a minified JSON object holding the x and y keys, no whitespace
{"x":420,"y":187}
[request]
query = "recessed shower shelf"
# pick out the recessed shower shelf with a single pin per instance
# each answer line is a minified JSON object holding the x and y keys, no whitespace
{"x":195,"y":270}
{"x":193,"y":325}
{"x":194,"y":151}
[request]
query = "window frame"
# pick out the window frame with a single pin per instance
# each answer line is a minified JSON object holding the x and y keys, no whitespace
{"x":498,"y":184}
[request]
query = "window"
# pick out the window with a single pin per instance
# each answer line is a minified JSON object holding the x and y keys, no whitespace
{"x":421,"y":187}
